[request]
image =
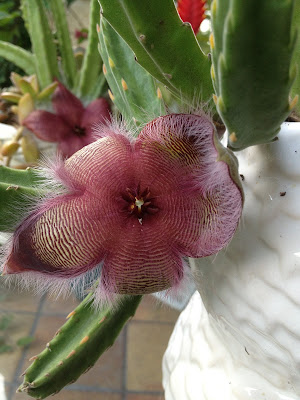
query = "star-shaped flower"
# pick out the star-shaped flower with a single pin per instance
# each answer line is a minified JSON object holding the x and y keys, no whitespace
{"x":139,"y":206}
{"x":72,"y":124}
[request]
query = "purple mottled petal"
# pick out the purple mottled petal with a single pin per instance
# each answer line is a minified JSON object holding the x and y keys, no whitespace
{"x":95,"y":113}
{"x":106,"y":163}
{"x":48,"y":126}
{"x":71,"y":144}
{"x":200,"y":203}
{"x":67,"y":106}
{"x":143,"y":261}
{"x":66,"y":237}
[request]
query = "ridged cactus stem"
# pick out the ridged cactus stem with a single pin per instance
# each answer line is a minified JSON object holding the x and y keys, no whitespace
{"x":90,"y":72}
{"x":252,"y":46}
{"x":132,"y":88}
{"x":42,"y":41}
{"x":164,"y":45}
{"x":76,"y":346}
{"x":21,"y":188}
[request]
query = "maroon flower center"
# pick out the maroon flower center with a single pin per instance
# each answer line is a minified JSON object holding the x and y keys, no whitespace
{"x":79,"y":131}
{"x":139,"y":203}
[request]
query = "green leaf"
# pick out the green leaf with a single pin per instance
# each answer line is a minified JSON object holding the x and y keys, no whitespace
{"x":76,"y":346}
{"x":19,"y":189}
{"x":25,"y":341}
{"x":64,"y":41}
{"x":133,"y":88}
{"x":21,"y":58}
{"x":42,"y":41}
{"x":163,"y":44}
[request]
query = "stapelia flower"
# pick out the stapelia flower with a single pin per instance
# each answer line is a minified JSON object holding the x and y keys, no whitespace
{"x":72,"y":125}
{"x":192,"y":11}
{"x":137,"y":205}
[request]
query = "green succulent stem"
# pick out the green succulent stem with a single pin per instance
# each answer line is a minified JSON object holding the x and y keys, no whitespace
{"x":132,"y":88}
{"x":165,"y":46}
{"x":19,"y":189}
{"x":64,"y":41}
{"x":76,"y":346}
{"x":296,"y":57}
{"x":21,"y":58}
{"x":251,"y":69}
{"x":90,"y":72}
{"x":42,"y":41}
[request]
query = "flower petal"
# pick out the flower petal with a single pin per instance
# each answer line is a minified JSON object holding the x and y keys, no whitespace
{"x":47,"y":126}
{"x":197,"y":198}
{"x":107,"y":163}
{"x":72,"y":144}
{"x":97,"y":112}
{"x":66,"y":236}
{"x":67,"y":106}
{"x":143,"y":261}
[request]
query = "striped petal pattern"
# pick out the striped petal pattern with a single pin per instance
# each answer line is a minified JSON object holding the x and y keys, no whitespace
{"x":138,"y":206}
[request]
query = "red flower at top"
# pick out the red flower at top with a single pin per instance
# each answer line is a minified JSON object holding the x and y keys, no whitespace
{"x":72,"y":124}
{"x":192,"y":11}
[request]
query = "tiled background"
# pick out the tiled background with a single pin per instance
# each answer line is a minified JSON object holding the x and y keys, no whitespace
{"x":129,"y":370}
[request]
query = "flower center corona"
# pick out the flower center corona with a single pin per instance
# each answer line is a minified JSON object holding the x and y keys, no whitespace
{"x":79,"y":131}
{"x":139,"y":203}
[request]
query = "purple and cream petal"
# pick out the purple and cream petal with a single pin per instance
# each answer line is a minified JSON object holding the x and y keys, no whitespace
{"x":47,"y":126}
{"x":66,"y":237}
{"x":198,"y":199}
{"x":107,"y":163}
{"x":143,"y":261}
{"x":67,"y":105}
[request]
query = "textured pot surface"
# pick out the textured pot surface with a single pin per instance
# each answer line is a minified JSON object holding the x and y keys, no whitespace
{"x":244,"y":342}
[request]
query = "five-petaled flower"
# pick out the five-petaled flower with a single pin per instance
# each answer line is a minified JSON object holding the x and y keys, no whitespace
{"x":72,"y":125}
{"x":139,"y":206}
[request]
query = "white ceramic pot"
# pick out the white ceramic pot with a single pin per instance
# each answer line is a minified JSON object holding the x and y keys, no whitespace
{"x":243,"y":341}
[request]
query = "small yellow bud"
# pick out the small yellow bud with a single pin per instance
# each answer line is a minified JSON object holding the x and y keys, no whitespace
{"x":111,"y":96}
{"x":232,"y":137}
{"x":10,"y":96}
{"x":111,"y":63}
{"x":158,"y":92}
{"x":212,"y":41}
{"x":29,"y":149}
{"x":47,"y":91}
{"x":26,"y":106}
{"x":9,"y":148}
{"x":14,"y":109}
{"x":15,"y":78}
{"x":294,"y":102}
{"x":212,"y":73}
{"x":124,"y":84}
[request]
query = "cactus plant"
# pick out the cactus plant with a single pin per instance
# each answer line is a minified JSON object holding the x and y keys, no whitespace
{"x":18,"y":190}
{"x":132,"y":89}
{"x":43,"y":61}
{"x":76,"y":346}
{"x":143,"y":43}
{"x":164,"y":45}
{"x":251,"y":71}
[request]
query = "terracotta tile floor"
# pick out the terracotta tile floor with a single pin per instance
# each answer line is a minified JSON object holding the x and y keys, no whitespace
{"x":130,"y":370}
